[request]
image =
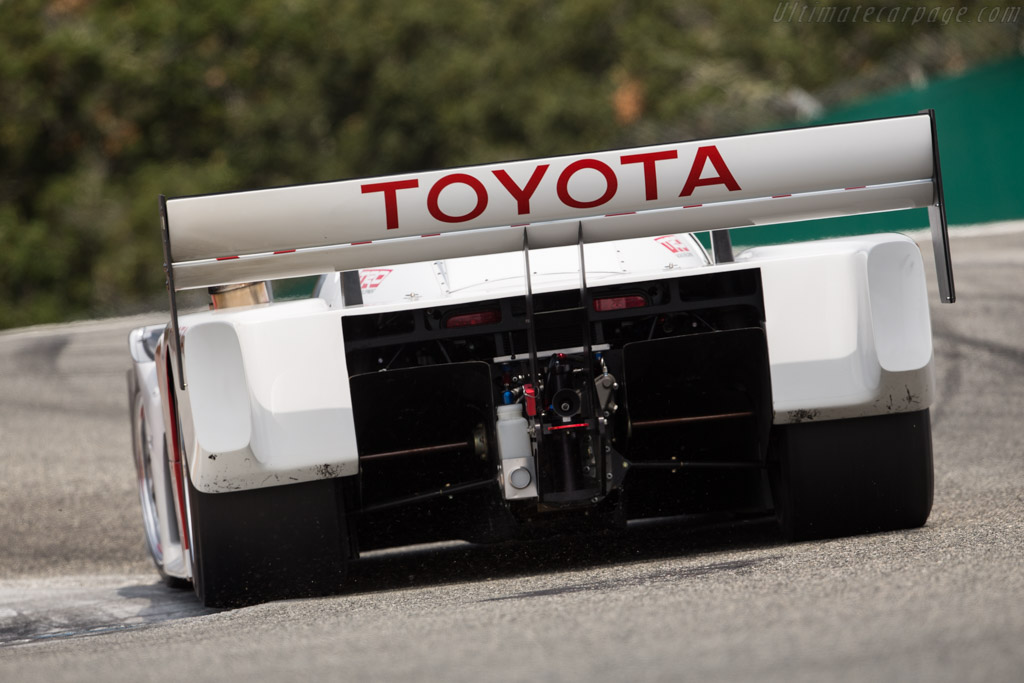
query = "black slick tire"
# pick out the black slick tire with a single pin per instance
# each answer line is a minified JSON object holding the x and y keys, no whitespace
{"x":267,"y":544}
{"x":845,"y":477}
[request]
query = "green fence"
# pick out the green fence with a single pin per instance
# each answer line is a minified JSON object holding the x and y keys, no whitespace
{"x":980,"y":120}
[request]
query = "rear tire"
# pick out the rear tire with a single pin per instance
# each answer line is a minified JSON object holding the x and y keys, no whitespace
{"x":267,"y":544}
{"x":844,"y":477}
{"x":142,"y":449}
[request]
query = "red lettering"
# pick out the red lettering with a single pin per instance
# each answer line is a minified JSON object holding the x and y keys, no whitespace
{"x":390,"y":190}
{"x":672,"y":243}
{"x":465,"y":179}
{"x":522,"y":194}
{"x":724,"y":177}
{"x":562,"y":186}
{"x":648,"y":159}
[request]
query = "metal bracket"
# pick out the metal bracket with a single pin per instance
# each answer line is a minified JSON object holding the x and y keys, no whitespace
{"x":351,"y":289}
{"x":584,"y":302}
{"x":530,"y":329}
{"x":169,"y":270}
{"x":721,"y":246}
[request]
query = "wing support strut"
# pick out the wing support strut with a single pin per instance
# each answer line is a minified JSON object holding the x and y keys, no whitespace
{"x":938,"y":225}
{"x":590,"y":406}
{"x":169,"y":270}
{"x":531,"y":336}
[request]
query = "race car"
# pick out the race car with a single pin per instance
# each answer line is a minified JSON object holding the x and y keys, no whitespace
{"x":538,"y":347}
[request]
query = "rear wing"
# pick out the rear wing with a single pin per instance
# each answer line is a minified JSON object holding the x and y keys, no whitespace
{"x":732,"y":182}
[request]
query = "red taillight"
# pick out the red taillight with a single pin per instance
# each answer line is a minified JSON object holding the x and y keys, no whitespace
{"x":619,"y":303}
{"x":473,"y":319}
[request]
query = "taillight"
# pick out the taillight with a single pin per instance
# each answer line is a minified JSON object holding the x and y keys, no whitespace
{"x":619,"y":303}
{"x":473,"y":319}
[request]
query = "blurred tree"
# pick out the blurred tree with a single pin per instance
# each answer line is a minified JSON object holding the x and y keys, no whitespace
{"x":105,"y":104}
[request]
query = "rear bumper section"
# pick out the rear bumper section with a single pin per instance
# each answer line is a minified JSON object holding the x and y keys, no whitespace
{"x":617,"y":402}
{"x":687,"y":437}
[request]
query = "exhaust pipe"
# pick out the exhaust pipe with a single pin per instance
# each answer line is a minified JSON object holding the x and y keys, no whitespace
{"x":242,"y":294}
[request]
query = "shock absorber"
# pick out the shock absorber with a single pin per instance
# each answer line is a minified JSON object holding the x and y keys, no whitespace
{"x":563,"y":449}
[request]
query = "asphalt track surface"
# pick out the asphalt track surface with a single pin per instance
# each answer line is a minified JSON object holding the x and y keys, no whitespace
{"x":79,"y":600}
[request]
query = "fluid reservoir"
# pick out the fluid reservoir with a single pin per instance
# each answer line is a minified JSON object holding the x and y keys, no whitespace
{"x":513,"y":434}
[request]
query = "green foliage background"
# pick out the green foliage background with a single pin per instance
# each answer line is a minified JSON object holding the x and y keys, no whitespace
{"x":105,"y":104}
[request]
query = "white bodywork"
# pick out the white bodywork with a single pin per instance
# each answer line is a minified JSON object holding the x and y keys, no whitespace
{"x":849,"y":333}
{"x":268,"y":400}
{"x":268,"y":403}
{"x":262,"y":393}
